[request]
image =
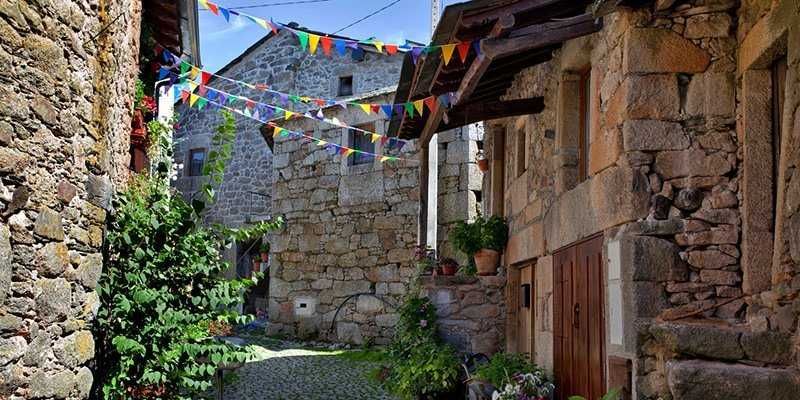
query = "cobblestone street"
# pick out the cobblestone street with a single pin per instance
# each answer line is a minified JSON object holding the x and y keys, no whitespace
{"x":290,"y":371}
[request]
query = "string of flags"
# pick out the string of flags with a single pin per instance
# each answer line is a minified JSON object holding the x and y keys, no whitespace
{"x":411,"y":108}
{"x":312,"y":42}
{"x":200,"y":102}
{"x":258,"y":109}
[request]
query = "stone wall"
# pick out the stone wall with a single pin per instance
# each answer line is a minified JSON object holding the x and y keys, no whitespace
{"x":67,"y":89}
{"x":676,"y":187}
{"x":246,"y":194}
{"x":471,"y":311}
{"x":350,"y":229}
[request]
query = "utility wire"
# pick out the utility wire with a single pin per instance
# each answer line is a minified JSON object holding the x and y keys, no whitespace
{"x":368,"y":16}
{"x":284,"y":3}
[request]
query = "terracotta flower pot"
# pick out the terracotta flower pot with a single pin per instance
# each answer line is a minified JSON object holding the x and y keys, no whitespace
{"x":483,"y":165}
{"x":449,"y":269}
{"x":486,"y":261}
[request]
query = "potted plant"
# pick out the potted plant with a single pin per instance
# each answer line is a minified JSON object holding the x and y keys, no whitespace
{"x":449,"y":266}
{"x":513,"y":376}
{"x":482,"y":240}
{"x":264,"y":251}
{"x":423,"y":258}
{"x":483,"y":162}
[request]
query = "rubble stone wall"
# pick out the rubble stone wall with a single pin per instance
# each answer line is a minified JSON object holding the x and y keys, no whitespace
{"x":471,"y":311}
{"x":349,"y":238}
{"x":672,"y":163}
{"x":67,"y":82}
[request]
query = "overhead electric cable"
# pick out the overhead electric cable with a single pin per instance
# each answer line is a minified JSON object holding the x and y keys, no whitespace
{"x":368,"y":16}
{"x":283,"y":3}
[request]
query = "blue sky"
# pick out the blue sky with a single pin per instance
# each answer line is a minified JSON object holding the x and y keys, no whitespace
{"x":221,"y":42}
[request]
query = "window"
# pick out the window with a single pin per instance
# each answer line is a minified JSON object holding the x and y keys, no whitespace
{"x":197,"y":158}
{"x":359,"y":141}
{"x":585,"y":127}
{"x":778,"y":96}
{"x":522,"y":154}
{"x":345,"y":86}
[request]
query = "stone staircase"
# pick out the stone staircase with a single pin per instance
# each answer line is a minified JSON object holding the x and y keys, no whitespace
{"x":710,"y":360}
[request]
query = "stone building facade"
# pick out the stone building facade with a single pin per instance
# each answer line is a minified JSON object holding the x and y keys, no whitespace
{"x":64,"y":127}
{"x":349,"y":228}
{"x":673,"y":134}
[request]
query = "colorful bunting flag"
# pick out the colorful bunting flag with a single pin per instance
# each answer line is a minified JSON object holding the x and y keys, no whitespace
{"x":418,"y":105}
{"x":225,"y":13}
{"x":193,"y":99}
{"x":313,"y":41}
{"x":387,"y":109}
{"x":431,"y":103}
{"x":278,"y":131}
{"x":410,"y":109}
{"x":303,"y":38}
{"x":391,"y":49}
{"x":378,"y":45}
{"x":213,"y":8}
{"x":447,"y":52}
{"x":463,"y":51}
{"x":375,"y":137}
{"x":326,"y":45}
{"x":366,"y":108}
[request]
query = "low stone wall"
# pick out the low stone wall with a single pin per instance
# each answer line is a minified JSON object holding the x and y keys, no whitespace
{"x":471,"y":311}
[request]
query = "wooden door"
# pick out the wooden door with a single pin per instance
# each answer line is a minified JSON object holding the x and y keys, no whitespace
{"x":579,"y":352}
{"x":525,"y":312}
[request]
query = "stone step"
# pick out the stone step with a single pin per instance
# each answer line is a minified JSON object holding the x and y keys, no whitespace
{"x":712,"y":380}
{"x":719,"y":341}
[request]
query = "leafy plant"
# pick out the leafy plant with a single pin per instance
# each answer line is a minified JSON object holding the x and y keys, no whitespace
{"x":504,"y":365}
{"x":423,"y":364}
{"x":613,"y":394}
{"x":527,"y":386}
{"x":491,"y":233}
{"x":264,"y":248}
{"x":163,"y":297}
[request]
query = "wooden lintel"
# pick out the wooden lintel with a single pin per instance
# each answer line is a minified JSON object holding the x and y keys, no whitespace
{"x":485,"y":111}
{"x":484,"y":18}
{"x":537,"y":36}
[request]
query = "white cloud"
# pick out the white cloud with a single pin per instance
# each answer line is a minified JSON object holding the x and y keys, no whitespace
{"x":236,"y":24}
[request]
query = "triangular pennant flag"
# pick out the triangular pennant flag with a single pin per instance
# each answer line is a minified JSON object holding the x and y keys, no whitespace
{"x":204,"y":77}
{"x":192,"y":86}
{"x":398,"y":109}
{"x":264,"y":24}
{"x":294,"y":99}
{"x":274,"y":27}
{"x":384,"y":158}
{"x":320,"y":102}
{"x":277,"y":132}
{"x":447,"y":52}
{"x":321,"y":143}
{"x":387,"y":109}
{"x":185,"y":67}
{"x":342,"y":150}
{"x":409,"y":109}
{"x":366,"y":108}
{"x":313,"y":41}
{"x":418,"y":105}
{"x":384,"y":139}
{"x":194,"y":72}
{"x":212,"y":94}
{"x":249,"y":103}
{"x":185,"y":95}
{"x":341,"y":46}
{"x":476,"y":45}
{"x":203,"y":3}
{"x":303,"y":37}
{"x":222,"y":98}
{"x":193,"y":99}
{"x":431,"y":103}
{"x":256,"y":115}
{"x":391,"y":49}
{"x":374,"y":137}
{"x":378,"y":45}
{"x":225,"y":13}
{"x":349,"y":152}
{"x":326,"y":45}
{"x":202,"y":91}
{"x":201,"y":102}
{"x":444,"y":100}
{"x":375,"y":108}
{"x":246,"y":112}
{"x":320,"y":115}
{"x":213,"y":7}
{"x":463,"y":51}
{"x":163,"y":73}
{"x":415,"y":53}
{"x":288,"y":114}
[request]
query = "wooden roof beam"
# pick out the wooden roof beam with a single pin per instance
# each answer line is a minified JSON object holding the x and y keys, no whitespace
{"x":485,"y":111}
{"x":471,"y":79}
{"x":536,"y":36}
{"x":484,"y":18}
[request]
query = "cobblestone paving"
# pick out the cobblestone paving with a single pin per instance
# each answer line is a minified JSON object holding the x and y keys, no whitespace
{"x":289,"y":371}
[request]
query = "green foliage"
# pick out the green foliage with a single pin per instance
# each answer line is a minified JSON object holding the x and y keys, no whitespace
{"x":502,"y":366}
{"x":264,"y":248}
{"x":423,"y":365}
{"x":138,"y":94}
{"x":613,"y":394}
{"x":219,"y":156}
{"x":162,"y":293}
{"x":491,"y":233}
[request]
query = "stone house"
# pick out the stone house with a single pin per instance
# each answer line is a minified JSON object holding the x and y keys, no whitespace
{"x":650,"y":183}
{"x":350,"y":226}
{"x":67,"y":82}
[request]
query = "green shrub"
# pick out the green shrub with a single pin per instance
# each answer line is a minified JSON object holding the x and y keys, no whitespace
{"x":422,"y":363}
{"x":163,"y":295}
{"x":502,"y":366}
{"x":491,"y":233}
